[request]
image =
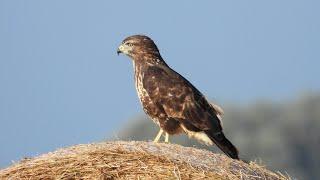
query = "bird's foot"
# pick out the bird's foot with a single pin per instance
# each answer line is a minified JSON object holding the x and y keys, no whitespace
{"x":166,"y":140}
{"x":158,"y":136}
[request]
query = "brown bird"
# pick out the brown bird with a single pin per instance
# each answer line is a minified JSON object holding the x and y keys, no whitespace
{"x":170,"y":100}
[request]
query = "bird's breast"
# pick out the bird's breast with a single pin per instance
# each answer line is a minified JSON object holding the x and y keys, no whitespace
{"x":149,"y":107}
{"x":141,"y":91}
{"x":140,"y":75}
{"x":139,"y":85}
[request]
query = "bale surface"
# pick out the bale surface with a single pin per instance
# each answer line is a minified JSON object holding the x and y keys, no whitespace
{"x":134,"y":160}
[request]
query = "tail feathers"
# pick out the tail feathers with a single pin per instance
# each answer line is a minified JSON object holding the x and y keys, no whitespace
{"x":224,"y":144}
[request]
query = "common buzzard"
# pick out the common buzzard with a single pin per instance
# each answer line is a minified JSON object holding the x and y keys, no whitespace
{"x":170,"y":100}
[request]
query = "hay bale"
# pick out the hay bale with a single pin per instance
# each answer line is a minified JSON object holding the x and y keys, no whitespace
{"x":134,"y":160}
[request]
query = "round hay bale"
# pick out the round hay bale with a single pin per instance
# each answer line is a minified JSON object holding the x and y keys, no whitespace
{"x":134,"y":160}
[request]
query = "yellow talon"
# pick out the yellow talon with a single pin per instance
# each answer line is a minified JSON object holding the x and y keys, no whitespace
{"x":158,"y":136}
{"x":167,"y":138}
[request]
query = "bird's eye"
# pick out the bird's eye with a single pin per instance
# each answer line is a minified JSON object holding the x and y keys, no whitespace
{"x":129,"y":44}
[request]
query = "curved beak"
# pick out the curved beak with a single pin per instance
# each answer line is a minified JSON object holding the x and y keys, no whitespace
{"x":118,"y":51}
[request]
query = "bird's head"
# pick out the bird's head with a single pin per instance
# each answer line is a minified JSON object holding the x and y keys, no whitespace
{"x":138,"y":47}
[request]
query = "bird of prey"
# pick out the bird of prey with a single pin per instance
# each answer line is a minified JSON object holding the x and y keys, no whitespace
{"x":170,"y":100}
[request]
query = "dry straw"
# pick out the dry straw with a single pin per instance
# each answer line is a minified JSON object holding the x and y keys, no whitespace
{"x":134,"y":160}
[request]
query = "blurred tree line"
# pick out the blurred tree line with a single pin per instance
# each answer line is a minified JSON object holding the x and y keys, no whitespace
{"x":283,"y":136}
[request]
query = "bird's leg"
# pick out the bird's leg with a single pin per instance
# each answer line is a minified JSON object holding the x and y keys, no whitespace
{"x":166,"y":138}
{"x":158,"y":136}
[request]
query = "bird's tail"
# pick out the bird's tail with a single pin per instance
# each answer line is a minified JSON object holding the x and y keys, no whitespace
{"x":224,"y":144}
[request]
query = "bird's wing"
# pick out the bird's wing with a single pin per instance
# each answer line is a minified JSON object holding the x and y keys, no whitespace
{"x":180,"y":99}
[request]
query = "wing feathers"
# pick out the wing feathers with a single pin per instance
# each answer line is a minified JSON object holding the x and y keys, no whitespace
{"x":179,"y":98}
{"x":182,"y":101}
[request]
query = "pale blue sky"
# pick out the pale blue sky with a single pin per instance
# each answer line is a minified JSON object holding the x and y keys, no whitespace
{"x":61,"y":82}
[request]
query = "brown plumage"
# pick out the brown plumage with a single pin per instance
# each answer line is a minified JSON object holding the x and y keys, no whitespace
{"x":170,"y":100}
